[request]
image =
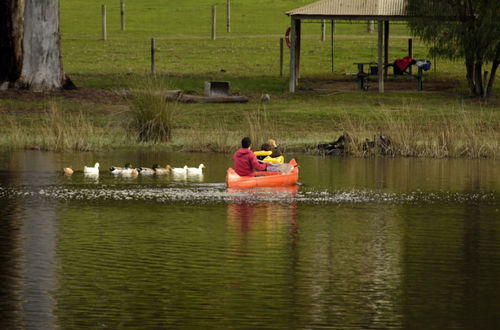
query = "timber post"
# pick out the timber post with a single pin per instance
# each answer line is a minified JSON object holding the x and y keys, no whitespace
{"x":228,"y":15}
{"x":370,"y":26}
{"x":153,"y":56}
{"x":282,"y":67}
{"x":380,"y":27}
{"x":122,"y":15}
{"x":293,"y":72}
{"x":323,"y":28}
{"x":104,"y":32}
{"x":214,"y":22}
{"x":386,"y":46}
{"x":331,"y":41}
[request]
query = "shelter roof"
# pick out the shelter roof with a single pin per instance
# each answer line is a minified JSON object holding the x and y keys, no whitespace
{"x":353,"y":9}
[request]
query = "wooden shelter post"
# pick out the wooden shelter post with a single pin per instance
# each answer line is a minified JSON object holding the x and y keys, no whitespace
{"x":293,"y":73}
{"x":294,"y":54}
{"x":380,"y":51}
{"x":386,"y":47}
{"x":297,"y":49}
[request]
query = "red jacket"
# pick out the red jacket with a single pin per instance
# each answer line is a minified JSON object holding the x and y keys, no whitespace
{"x":245,"y":162}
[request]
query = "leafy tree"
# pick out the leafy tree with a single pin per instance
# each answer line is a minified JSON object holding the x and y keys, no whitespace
{"x":29,"y":45}
{"x":467,"y":29}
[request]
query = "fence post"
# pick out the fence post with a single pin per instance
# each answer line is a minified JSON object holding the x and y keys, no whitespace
{"x":104,"y":33}
{"x":122,"y":15}
{"x":370,"y":26}
{"x":282,"y":65}
{"x":152,"y":55}
{"x":331,"y":45}
{"x":323,"y":23}
{"x":228,"y":15}
{"x":214,"y":20}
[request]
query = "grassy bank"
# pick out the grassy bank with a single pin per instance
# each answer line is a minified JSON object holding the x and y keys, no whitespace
{"x":432,"y":127}
{"x":442,"y":121}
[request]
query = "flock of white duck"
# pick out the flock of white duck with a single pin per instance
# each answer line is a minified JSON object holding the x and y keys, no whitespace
{"x":129,"y":170}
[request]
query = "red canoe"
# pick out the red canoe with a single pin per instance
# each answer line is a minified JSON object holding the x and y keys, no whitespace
{"x":263,"y":179}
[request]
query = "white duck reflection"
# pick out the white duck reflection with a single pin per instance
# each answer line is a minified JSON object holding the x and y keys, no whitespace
{"x":179,"y":173}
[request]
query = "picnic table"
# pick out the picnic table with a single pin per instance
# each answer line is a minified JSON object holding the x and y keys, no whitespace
{"x":362,"y":75}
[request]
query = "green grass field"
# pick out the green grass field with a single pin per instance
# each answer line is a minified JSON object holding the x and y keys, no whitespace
{"x":248,"y":57}
{"x":184,"y":48}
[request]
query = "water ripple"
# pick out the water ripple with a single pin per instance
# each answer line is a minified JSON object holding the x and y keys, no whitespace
{"x":217,"y":193}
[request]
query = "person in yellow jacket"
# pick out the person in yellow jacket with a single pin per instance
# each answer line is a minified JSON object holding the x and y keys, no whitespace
{"x":270,"y":153}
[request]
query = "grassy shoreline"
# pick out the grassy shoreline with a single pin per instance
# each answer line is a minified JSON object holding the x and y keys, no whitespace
{"x":442,"y":121}
{"x":419,"y":125}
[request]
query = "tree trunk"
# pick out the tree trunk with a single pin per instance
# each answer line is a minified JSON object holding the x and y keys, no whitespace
{"x":469,"y":65}
{"x":478,"y":78}
{"x":29,"y":37}
{"x":11,"y":37}
{"x":494,"y":67}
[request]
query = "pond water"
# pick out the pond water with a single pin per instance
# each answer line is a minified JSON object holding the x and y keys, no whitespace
{"x":361,"y":243}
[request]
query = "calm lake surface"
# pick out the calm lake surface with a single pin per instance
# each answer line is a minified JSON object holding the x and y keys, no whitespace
{"x":362,"y":243}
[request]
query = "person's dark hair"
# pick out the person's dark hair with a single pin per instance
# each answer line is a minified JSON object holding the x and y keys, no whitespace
{"x":266,"y":147}
{"x":246,"y":142}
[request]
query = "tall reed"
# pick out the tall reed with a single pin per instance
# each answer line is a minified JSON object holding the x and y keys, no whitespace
{"x":55,"y":129}
{"x":152,"y":118}
{"x":415,"y":134}
{"x":261,"y":126}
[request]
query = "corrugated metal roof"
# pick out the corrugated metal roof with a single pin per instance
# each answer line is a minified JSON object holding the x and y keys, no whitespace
{"x":353,"y":8}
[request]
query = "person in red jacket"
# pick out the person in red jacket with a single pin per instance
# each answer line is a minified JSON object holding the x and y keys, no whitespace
{"x":245,"y":161}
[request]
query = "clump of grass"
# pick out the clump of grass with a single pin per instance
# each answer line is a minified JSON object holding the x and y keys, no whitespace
{"x":63,"y":131}
{"x":413,"y":134}
{"x":152,"y":118}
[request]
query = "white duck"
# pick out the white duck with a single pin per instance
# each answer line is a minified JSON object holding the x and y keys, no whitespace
{"x":91,"y":170}
{"x":119,"y":170}
{"x":195,"y":170}
{"x":179,"y":170}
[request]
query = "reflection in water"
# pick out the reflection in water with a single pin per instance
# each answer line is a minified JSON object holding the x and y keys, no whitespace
{"x":39,"y":238}
{"x":30,"y":245}
{"x":461,"y":274}
{"x":364,"y":243}
{"x":243,"y":212}
{"x":338,"y":265}
{"x":349,"y":262}
{"x":10,"y":265}
{"x":90,"y":178}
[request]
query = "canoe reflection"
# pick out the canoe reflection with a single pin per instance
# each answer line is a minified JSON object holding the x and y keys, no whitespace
{"x":245,"y":213}
{"x":290,"y":191}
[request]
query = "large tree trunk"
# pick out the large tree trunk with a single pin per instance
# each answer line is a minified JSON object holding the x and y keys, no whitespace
{"x":469,"y":65}
{"x":478,"y":78}
{"x":42,"y":66}
{"x":11,"y":37}
{"x":494,"y":67}
{"x":491,"y":81}
{"x":32,"y":49}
